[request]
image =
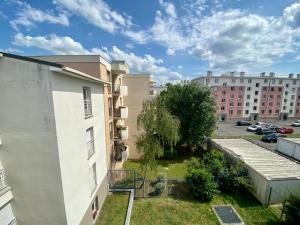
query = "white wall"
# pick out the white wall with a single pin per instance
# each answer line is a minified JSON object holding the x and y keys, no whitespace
{"x":71,"y":133}
{"x":289,"y":148}
{"x":29,"y":152}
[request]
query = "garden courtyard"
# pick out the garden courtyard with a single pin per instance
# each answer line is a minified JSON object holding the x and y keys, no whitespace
{"x":182,"y":209}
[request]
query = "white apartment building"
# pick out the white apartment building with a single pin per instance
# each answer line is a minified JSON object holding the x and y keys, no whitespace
{"x":247,"y":96}
{"x":53,"y":144}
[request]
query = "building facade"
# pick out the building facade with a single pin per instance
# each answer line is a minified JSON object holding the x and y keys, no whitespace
{"x":53,"y":144}
{"x":140,"y":88}
{"x":254,"y":97}
{"x":114,"y":91}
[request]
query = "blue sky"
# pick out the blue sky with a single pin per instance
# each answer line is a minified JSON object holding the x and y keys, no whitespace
{"x":171,"y":40}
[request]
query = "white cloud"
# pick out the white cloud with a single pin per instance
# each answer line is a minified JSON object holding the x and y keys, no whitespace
{"x":28,"y":17}
{"x":169,"y":8}
{"x":96,"y":12}
{"x":140,"y":37}
{"x":66,"y":45}
{"x":292,"y":13}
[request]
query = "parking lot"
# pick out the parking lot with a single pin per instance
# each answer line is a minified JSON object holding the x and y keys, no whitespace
{"x":231,"y":130}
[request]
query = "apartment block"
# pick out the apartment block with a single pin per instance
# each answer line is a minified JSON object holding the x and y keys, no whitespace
{"x":140,"y":88}
{"x":53,"y":142}
{"x":254,"y":97}
{"x":114,"y":91}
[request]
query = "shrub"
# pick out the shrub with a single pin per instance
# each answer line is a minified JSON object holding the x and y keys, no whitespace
{"x":161,"y":177}
{"x":159,"y":188}
{"x":201,"y":183}
{"x":292,"y":210}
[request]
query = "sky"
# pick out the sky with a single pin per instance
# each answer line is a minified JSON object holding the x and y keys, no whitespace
{"x":171,"y":40}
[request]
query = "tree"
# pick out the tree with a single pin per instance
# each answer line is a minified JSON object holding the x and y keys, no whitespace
{"x":292,"y":210}
{"x":194,"y":105}
{"x":158,"y":129}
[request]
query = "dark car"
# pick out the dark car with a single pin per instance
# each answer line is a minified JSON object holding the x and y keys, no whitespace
{"x":263,"y":130}
{"x":243,"y":123}
{"x":272,"y":137}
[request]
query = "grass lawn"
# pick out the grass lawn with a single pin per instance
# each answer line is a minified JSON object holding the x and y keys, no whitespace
{"x":114,"y":210}
{"x":173,"y":168}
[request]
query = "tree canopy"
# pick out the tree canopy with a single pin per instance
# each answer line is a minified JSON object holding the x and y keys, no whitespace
{"x":194,"y":106}
{"x":159,"y":129}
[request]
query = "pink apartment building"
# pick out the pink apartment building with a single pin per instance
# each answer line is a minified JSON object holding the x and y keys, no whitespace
{"x":246,"y":96}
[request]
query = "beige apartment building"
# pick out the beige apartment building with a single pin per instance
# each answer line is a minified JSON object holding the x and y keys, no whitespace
{"x":140,"y":88}
{"x":114,"y":91}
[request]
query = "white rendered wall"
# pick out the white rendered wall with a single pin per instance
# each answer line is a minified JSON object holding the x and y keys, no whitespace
{"x":29,"y":146}
{"x":71,"y":133}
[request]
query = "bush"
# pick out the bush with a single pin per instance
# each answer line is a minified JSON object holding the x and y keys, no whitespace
{"x":160,"y":187}
{"x":161,"y":177}
{"x":201,"y":183}
{"x":292,"y":210}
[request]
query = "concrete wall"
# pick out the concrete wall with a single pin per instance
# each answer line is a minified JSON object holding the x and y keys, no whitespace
{"x":288,"y":148}
{"x":282,"y":189}
{"x":138,"y":92}
{"x":29,"y":152}
{"x":71,"y":134}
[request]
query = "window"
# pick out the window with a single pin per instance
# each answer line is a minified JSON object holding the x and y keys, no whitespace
{"x":239,"y":112}
{"x":232,"y":88}
{"x":247,"y":103}
{"x":240,"y":97}
{"x":224,"y":84}
{"x":264,"y":88}
{"x":216,"y":80}
{"x":284,"y":107}
{"x":294,"y":82}
{"x":262,"y":111}
{"x":263,"y":104}
{"x":239,"y":104}
{"x":277,"y":111}
{"x":280,"y":89}
{"x":241,"y":88}
{"x":246,"y":111}
{"x":272,"y":89}
{"x":286,"y":93}
{"x":87,"y":101}
{"x":93,"y":177}
{"x":248,"y":96}
{"x":278,"y":96}
{"x":291,"y":111}
{"x":293,"y":89}
{"x":265,"y":81}
{"x":293,"y":97}
{"x":241,"y":81}
{"x":292,"y":104}
{"x":280,"y":81}
{"x":233,"y":80}
{"x":257,"y":85}
{"x":264,"y":97}
{"x":285,"y":100}
{"x":223,"y":92}
{"x":223,"y":100}
{"x":273,"y":81}
{"x":287,"y":85}
{"x":270,"y":111}
{"x":256,"y":92}
{"x":231,"y":96}
{"x":95,"y":207}
{"x":255,"y":100}
{"x":230,"y":112}
{"x":222,"y":108}
{"x":231,"y":104}
{"x":271,"y":96}
{"x":90,"y":142}
{"x":254,"y":107}
{"x":270,"y":103}
{"x":248,"y":88}
{"x":249,"y":81}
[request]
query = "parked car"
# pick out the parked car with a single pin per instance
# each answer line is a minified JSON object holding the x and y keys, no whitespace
{"x":264,"y":130}
{"x":273,"y":127}
{"x":261,"y":124}
{"x":243,"y":123}
{"x":252,"y":128}
{"x":285,"y":130}
{"x":272,"y":137}
{"x":296,"y":123}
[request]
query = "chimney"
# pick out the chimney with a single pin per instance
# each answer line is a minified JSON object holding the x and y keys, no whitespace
{"x":291,"y":75}
{"x":262,"y":74}
{"x":209,"y":73}
{"x":272,"y":74}
{"x":298,"y":75}
{"x":242,"y":73}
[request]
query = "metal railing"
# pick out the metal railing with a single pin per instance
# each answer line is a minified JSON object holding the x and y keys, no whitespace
{"x":90,"y":148}
{"x":124,"y":179}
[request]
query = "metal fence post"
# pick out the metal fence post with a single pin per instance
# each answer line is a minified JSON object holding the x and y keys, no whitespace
{"x":269,"y":197}
{"x":282,"y":211}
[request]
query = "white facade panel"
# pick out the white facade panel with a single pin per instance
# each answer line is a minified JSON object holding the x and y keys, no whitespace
{"x":6,"y":214}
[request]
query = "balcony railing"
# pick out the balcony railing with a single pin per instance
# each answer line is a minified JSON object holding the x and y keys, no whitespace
{"x":90,"y":148}
{"x":119,"y":67}
{"x":120,"y":90}
{"x":121,"y":112}
{"x":122,"y":133}
{"x":88,"y":108}
{"x":121,"y":152}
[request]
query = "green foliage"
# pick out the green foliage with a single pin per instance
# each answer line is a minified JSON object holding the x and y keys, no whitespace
{"x":194,"y":105}
{"x":160,"y":187}
{"x":201,"y":183}
{"x":158,"y":129}
{"x":292,"y":210}
{"x":161,"y":176}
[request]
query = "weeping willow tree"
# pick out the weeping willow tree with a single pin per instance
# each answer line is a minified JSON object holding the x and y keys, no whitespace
{"x":159,"y":129}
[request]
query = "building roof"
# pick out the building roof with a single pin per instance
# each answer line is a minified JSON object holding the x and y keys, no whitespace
{"x":56,"y":67}
{"x":294,"y":140}
{"x":269,"y":164}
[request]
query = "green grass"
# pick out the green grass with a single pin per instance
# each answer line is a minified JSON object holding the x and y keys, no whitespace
{"x":169,"y":211}
{"x":173,"y":168}
{"x":114,"y":210}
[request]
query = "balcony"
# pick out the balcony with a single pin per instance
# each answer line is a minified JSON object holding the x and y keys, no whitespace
{"x":121,"y":152}
{"x":120,"y":90}
{"x":121,"y":134}
{"x":119,"y":67}
{"x":121,"y":113}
